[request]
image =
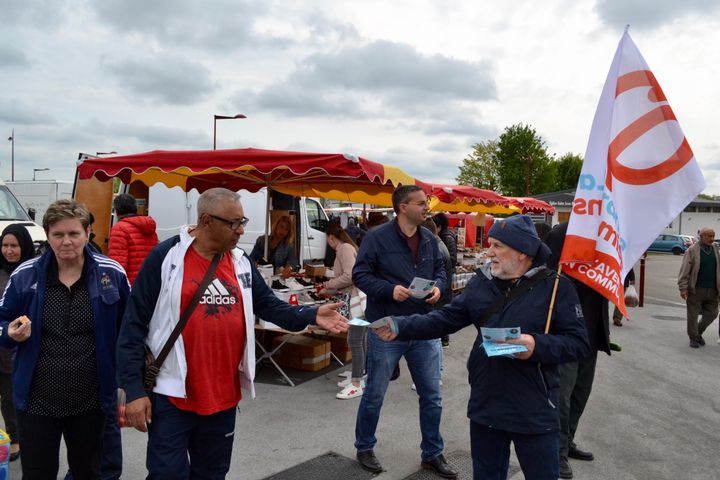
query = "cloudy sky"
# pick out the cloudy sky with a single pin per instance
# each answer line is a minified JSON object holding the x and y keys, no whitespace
{"x":410,"y":83}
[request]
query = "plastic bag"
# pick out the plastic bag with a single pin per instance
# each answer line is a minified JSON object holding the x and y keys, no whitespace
{"x":631,"y":297}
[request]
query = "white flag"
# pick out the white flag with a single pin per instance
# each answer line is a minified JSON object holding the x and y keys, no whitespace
{"x":639,"y":173}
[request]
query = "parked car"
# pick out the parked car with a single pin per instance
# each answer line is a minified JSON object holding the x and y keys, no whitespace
{"x":689,"y":240}
{"x":675,"y":244}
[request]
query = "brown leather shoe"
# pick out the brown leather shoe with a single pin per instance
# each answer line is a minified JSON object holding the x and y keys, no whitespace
{"x":440,"y":466}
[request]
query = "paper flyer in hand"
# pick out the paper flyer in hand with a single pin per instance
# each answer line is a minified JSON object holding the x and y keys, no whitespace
{"x":421,"y":287}
{"x":492,"y":335}
{"x":381,"y":322}
{"x":358,"y":322}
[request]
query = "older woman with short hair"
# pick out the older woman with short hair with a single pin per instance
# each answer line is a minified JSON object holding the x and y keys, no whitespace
{"x":63,"y":310}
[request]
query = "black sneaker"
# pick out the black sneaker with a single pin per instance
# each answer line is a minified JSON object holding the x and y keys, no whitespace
{"x":277,"y":285}
{"x":694,"y":344}
{"x":701,"y":341}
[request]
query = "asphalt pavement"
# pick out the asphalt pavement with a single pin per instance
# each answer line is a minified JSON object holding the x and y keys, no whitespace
{"x":653,"y":413}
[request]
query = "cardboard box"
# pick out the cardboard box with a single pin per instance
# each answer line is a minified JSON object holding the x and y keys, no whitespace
{"x":316,"y":270}
{"x":302,"y":352}
{"x":338,"y":345}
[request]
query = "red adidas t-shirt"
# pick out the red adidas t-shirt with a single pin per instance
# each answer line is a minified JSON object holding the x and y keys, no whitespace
{"x":214,"y":337}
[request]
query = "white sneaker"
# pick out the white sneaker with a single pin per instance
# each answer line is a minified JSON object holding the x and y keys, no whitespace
{"x":351,"y":391}
{"x":346,"y":373}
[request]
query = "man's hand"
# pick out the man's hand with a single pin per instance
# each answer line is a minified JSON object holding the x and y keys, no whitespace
{"x":434,"y":296}
{"x":684,"y":294}
{"x":527,"y":340}
{"x":139,"y":413}
{"x":385,"y":332}
{"x":19,"y":331}
{"x":329,"y":319}
{"x":400,"y":293}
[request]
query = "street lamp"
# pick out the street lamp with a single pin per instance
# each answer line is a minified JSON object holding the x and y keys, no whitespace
{"x":222,"y":117}
{"x":11,"y":138}
{"x":35,"y":170}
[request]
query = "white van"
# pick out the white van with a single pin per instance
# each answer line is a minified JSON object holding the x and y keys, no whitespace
{"x":39,"y":194}
{"x":172,"y":208}
{"x":11,"y":211}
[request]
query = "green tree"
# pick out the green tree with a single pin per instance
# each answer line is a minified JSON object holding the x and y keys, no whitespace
{"x":567,"y":171}
{"x":480,"y":168}
{"x":523,"y":162}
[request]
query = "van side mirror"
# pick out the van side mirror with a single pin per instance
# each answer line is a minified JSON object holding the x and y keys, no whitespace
{"x":31,"y":213}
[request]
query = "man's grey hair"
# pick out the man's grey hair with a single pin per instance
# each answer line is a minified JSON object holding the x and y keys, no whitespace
{"x":207,"y":203}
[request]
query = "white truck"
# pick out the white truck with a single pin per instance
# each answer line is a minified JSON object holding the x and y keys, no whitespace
{"x":171,"y":208}
{"x":39,"y":194}
{"x":11,"y":211}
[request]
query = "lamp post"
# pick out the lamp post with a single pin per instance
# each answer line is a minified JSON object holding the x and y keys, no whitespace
{"x":11,"y":138}
{"x":35,"y":170}
{"x":222,"y":117}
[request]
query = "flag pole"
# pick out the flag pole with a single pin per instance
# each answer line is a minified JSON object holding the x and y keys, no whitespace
{"x":552,"y":299}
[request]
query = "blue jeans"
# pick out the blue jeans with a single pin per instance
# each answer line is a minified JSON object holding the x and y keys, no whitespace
{"x":423,"y":359}
{"x":183,"y":445}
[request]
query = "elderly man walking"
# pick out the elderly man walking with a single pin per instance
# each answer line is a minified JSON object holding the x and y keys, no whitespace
{"x":191,"y":419}
{"x":699,"y":283}
{"x":512,"y":399}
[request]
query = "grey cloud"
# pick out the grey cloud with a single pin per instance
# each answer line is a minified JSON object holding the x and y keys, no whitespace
{"x":174,"y":80}
{"x":390,"y":78}
{"x":299,"y":101}
{"x":15,"y":112}
{"x":45,"y":14}
{"x":395,"y":67}
{"x":153,"y":136}
{"x":11,"y":56}
{"x":457,"y":126}
{"x":214,"y":24}
{"x":651,"y":13}
{"x":446,"y":146}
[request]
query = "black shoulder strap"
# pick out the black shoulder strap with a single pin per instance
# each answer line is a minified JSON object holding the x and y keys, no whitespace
{"x":514,"y":293}
{"x":188,"y":311}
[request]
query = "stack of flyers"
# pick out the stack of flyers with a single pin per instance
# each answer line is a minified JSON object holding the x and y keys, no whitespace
{"x":421,"y":287}
{"x":491,"y":337}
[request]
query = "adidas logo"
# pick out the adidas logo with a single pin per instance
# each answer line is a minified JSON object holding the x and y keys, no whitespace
{"x":217,"y":294}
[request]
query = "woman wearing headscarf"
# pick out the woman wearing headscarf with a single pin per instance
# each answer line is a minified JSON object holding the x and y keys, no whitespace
{"x":17,"y":247}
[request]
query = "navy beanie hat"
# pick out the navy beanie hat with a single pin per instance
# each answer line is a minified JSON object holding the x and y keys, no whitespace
{"x":519,"y":233}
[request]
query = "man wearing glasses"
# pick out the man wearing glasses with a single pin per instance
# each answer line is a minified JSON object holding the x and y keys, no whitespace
{"x":190,"y":416}
{"x":390,"y":257}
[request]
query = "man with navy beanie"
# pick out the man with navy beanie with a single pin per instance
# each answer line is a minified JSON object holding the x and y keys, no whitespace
{"x":512,"y":398}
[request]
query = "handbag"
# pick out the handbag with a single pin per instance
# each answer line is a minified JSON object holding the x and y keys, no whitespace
{"x":631,"y":297}
{"x":152,"y":364}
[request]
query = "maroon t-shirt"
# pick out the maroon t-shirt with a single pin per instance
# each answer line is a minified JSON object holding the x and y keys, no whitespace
{"x":414,"y":244}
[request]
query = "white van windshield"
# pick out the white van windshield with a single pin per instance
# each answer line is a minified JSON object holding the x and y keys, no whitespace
{"x":10,"y":208}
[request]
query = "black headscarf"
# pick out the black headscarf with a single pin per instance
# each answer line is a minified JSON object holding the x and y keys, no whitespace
{"x":27,"y":249}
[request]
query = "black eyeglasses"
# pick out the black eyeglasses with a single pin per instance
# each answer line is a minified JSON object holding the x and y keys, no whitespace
{"x":233,"y":224}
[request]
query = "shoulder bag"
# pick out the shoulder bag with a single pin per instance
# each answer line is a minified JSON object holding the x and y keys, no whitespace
{"x":152,"y":364}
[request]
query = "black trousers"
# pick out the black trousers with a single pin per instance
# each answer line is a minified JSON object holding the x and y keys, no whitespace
{"x":40,"y":439}
{"x":7,"y":407}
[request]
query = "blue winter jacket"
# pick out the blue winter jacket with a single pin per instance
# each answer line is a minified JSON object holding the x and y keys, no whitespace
{"x":508,"y":394}
{"x":385,"y":260}
{"x":25,"y":295}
